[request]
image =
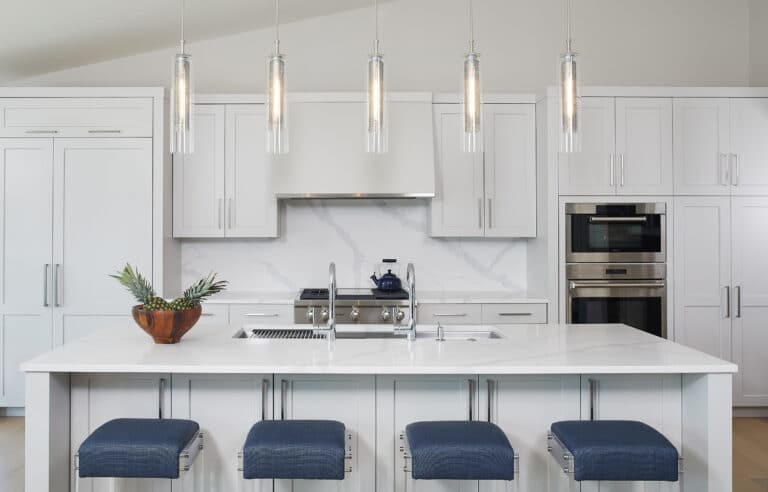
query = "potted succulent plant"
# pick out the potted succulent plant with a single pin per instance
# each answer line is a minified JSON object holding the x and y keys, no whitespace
{"x":167,"y":321}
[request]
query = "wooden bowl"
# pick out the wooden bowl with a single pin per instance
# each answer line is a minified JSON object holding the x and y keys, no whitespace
{"x":166,"y":326}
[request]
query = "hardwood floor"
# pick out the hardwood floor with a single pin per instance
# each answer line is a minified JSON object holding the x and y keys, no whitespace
{"x":750,"y":454}
{"x":12,"y":454}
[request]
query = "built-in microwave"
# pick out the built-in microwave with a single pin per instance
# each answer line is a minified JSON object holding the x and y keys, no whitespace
{"x":615,"y":232}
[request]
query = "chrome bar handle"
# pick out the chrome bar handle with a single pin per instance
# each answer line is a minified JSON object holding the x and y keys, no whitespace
{"x":735,"y":174}
{"x":621,"y":159}
{"x":613,"y":170}
{"x":161,"y":398}
{"x":471,"y":386}
{"x":480,"y":213}
{"x":56,"y":280}
{"x":594,"y":388}
{"x":41,"y":132}
{"x":490,"y":213}
{"x":738,"y":301}
{"x":220,"y":210}
{"x":634,"y":285}
{"x":727,"y":301}
{"x":599,"y":219}
{"x":97,"y":132}
{"x":449,"y":315}
{"x":46,"y":267}
{"x":264,"y":398}
{"x":283,"y":397}
{"x":490,"y":383}
{"x":229,"y":213}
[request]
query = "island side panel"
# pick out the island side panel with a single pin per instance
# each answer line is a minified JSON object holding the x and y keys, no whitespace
{"x":46,"y":454}
{"x":707,"y":433}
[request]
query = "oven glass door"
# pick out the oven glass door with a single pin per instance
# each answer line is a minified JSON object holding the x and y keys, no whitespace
{"x":600,"y":238}
{"x":640,"y":305}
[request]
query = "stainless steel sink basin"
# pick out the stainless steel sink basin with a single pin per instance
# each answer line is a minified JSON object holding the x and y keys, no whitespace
{"x":296,"y":334}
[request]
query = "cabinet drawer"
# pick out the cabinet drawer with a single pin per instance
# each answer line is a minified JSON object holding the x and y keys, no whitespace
{"x":513,"y":314}
{"x":450,"y":314}
{"x":76,"y":117}
{"x":260,"y":314}
{"x":214,"y":315}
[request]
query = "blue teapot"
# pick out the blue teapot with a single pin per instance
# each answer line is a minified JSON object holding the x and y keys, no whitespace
{"x":387,"y":282}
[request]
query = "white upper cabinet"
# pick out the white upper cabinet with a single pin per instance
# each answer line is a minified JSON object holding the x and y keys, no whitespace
{"x":251,"y":207}
{"x":702,"y":143}
{"x":457,"y":209}
{"x":592,"y":170}
{"x":644,"y":146}
{"x":492,"y":194}
{"x":224,"y":189}
{"x":749,"y":146}
{"x":198,"y":179}
{"x":76,"y":117}
{"x":510,"y":170}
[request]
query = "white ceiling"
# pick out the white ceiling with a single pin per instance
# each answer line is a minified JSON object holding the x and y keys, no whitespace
{"x":39,"y":36}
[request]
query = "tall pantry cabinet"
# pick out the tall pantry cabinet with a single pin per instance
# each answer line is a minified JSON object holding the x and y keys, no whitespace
{"x":78,"y":180}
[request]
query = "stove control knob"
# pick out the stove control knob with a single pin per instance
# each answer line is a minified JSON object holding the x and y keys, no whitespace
{"x":385,"y":315}
{"x":311,"y":315}
{"x":354,"y":315}
{"x":399,"y":316}
{"x":324,"y":315}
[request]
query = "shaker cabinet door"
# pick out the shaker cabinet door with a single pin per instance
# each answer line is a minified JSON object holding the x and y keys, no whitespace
{"x":749,"y":166}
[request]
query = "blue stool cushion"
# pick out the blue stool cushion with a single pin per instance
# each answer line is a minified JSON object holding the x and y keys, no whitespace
{"x":618,"y":450}
{"x":295,"y":449}
{"x":136,"y":448}
{"x":461,"y":450}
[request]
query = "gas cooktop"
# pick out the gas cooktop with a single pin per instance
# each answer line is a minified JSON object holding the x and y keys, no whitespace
{"x":354,"y":295}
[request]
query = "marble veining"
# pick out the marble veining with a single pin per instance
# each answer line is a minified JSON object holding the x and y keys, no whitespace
{"x":356,"y":234}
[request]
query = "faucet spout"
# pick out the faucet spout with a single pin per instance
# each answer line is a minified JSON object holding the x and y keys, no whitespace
{"x":331,"y":302}
{"x":410,"y":278}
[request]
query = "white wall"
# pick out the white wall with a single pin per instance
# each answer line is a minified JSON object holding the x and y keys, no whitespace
{"x":623,"y":42}
{"x":356,"y":235}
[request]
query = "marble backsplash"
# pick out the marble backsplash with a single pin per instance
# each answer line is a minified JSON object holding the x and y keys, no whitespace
{"x":356,"y":234}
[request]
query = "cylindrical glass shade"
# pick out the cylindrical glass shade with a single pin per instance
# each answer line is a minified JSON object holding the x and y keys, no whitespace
{"x":377,"y":111}
{"x":277,"y":111}
{"x":570,"y":104}
{"x":473,"y":105}
{"x":182,"y":114}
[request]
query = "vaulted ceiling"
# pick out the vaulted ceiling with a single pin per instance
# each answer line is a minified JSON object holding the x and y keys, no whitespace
{"x":38,"y":36}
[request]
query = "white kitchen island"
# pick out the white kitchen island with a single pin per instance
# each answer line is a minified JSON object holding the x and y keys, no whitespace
{"x":535,"y":375}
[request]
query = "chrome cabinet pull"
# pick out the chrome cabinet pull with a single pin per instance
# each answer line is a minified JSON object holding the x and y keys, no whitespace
{"x":736,"y":173}
{"x":613,"y":170}
{"x":264,"y":398}
{"x":621,"y":159}
{"x":480,"y":213}
{"x":56,"y":279}
{"x":206,"y":314}
{"x":490,"y":383}
{"x":738,"y":301}
{"x":229,"y":213}
{"x":261,"y":315}
{"x":727,"y":301}
{"x":515,"y":314}
{"x":161,"y":397}
{"x":221,"y":209}
{"x":471,"y":399}
{"x":46,"y":267}
{"x":41,"y":132}
{"x":283,"y":398}
{"x":594,"y":388}
{"x":449,"y":315}
{"x":97,"y":132}
{"x":490,"y":213}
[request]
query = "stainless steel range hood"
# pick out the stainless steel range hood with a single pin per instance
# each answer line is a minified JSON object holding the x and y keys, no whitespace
{"x":327,"y":157}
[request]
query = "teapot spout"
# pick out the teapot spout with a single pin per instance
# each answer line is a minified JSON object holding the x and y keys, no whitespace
{"x":375,"y":279}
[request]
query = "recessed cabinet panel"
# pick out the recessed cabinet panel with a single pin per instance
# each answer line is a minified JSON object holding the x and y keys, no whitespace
{"x":198,"y":179}
{"x":749,"y":125}
{"x":458,"y":207}
{"x":644,"y":146}
{"x":592,"y":170}
{"x":703,"y":293}
{"x":702,"y":143}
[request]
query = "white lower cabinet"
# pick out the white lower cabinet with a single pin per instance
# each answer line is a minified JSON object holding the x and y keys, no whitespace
{"x":653,"y":399}
{"x":225,"y":406}
{"x":401,"y":400}
{"x":525,"y":407}
{"x":347,"y":399}
{"x":97,"y":398}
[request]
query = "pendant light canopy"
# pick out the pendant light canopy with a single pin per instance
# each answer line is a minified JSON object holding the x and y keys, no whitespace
{"x":473,"y":93}
{"x":276,"y":111}
{"x":377,"y":112}
{"x":182,"y":115}
{"x":570,"y":98}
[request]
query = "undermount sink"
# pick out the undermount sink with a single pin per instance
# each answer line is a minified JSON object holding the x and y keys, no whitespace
{"x":306,"y":334}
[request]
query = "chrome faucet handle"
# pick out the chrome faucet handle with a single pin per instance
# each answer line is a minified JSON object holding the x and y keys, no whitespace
{"x":440,"y":333}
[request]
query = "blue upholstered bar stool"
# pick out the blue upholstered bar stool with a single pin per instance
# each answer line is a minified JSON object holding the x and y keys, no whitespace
{"x":296,"y":449}
{"x":458,"y":450}
{"x":139,"y":448}
{"x":614,"y":450}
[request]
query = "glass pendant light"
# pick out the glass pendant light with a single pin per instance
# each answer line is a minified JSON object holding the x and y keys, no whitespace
{"x":377,"y":111}
{"x":570,"y":97}
{"x":182,"y":115}
{"x":276,"y":111}
{"x":473,"y":92}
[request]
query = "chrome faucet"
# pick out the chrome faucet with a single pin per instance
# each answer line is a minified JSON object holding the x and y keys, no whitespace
{"x":410,"y":278}
{"x":330,"y":328}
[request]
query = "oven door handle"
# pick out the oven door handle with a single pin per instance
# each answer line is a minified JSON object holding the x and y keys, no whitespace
{"x":634,"y":285}
{"x":613,"y":220}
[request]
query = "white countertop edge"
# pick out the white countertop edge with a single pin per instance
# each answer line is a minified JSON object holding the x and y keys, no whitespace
{"x":427,"y":297}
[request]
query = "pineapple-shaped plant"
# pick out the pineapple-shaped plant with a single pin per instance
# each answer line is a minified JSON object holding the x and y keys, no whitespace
{"x":145,"y":295}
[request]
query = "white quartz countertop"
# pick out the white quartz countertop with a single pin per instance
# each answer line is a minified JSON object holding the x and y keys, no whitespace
{"x":525,"y":349}
{"x":424,"y":297}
